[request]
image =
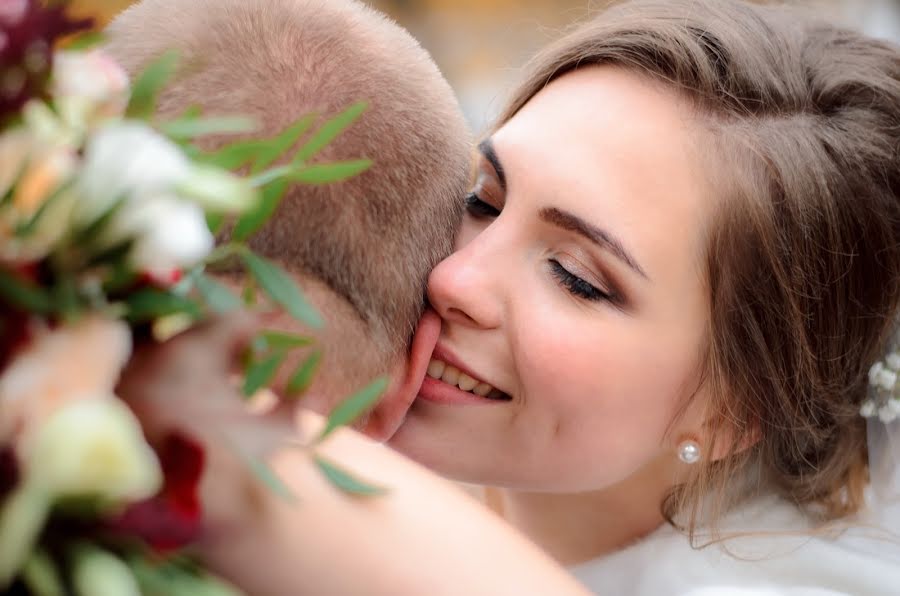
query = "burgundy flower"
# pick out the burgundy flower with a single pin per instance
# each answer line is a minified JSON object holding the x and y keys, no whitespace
{"x":27,"y":34}
{"x":173,"y":518}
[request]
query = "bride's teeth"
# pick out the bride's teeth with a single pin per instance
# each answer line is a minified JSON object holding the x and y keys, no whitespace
{"x":482,"y":389}
{"x":466,"y":383}
{"x":450,"y":375}
{"x":436,"y":369}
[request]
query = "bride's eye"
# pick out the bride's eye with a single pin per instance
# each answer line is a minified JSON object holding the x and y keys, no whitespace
{"x":577,"y":286}
{"x":479,"y":209}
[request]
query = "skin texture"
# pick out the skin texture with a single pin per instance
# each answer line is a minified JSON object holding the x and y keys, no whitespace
{"x":595,"y":385}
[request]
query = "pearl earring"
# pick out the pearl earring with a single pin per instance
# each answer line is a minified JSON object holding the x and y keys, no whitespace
{"x":689,"y":452}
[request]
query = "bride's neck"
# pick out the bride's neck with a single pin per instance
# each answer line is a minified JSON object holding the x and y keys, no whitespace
{"x":574,"y":528}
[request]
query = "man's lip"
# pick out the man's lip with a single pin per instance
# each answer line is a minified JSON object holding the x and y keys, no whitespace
{"x":391,"y":410}
{"x":444,"y":354}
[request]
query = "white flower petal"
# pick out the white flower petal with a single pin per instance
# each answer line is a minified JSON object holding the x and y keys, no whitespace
{"x":886,"y":379}
{"x":127,"y":161}
{"x":893,"y":361}
{"x":170,"y":234}
{"x":95,"y":447}
{"x":99,"y":573}
{"x":874,"y":372}
{"x":868,"y":409}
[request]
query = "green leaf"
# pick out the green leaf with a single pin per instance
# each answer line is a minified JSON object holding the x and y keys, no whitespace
{"x":347,"y":482}
{"x":271,"y":150}
{"x":260,"y":373}
{"x":264,"y":473}
{"x":192,"y":127}
{"x":303,"y":376}
{"x":148,"y":85}
{"x":28,"y":227}
{"x":271,"y":175}
{"x":151,"y":303}
{"x":23,"y":294}
{"x":233,"y":155}
{"x":41,"y":576}
{"x":276,"y":340}
{"x":281,"y":289}
{"x":329,"y":131}
{"x":330,"y":172}
{"x":219,"y":298}
{"x":214,"y":221}
{"x":355,"y":406}
{"x":253,"y":220}
{"x":85,"y":41}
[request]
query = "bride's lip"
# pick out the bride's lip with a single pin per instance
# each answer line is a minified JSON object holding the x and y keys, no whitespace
{"x":391,"y":410}
{"x":437,"y":391}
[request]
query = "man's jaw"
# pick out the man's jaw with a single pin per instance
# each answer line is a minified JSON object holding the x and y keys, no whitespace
{"x":406,"y":381}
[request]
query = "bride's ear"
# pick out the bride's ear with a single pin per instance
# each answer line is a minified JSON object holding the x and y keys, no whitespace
{"x":727,"y":435}
{"x":717,"y":430}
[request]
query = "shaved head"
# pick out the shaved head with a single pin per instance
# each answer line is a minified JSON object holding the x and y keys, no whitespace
{"x":370,"y":240}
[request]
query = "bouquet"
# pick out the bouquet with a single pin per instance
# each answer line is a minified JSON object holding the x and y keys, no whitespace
{"x":108,"y":217}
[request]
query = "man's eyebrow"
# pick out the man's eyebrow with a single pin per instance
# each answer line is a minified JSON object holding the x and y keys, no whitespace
{"x":600,"y":237}
{"x":486,"y":147}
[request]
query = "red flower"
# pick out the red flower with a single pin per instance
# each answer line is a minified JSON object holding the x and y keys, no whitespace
{"x":173,"y":518}
{"x":27,"y":34}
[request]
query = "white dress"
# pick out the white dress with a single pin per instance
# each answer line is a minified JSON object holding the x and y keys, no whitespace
{"x":788,"y":561}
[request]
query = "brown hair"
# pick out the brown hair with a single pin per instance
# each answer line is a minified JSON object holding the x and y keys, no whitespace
{"x":372,"y":239}
{"x":803,"y":257}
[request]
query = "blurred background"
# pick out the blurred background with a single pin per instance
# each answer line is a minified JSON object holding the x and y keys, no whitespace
{"x":479,"y":44}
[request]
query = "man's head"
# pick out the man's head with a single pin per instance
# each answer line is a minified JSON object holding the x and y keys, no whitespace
{"x":362,"y":248}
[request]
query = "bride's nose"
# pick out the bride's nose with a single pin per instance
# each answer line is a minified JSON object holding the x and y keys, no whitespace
{"x":467,"y":286}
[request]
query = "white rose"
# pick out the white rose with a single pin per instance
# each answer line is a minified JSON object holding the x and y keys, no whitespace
{"x":169,"y":234}
{"x":127,"y":161}
{"x":94,"y":447}
{"x":87,"y":85}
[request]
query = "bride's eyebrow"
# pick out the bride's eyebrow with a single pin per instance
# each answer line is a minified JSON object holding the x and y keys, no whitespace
{"x":486,"y":147}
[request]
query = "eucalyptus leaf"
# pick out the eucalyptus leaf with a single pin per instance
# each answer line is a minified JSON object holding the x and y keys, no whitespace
{"x":303,"y":376}
{"x":214,"y":221}
{"x":271,"y":150}
{"x":253,"y":220}
{"x":192,"y":127}
{"x":264,"y":474}
{"x":23,"y":294}
{"x":85,"y":41}
{"x":345,"y":481}
{"x":329,"y":131}
{"x":330,"y":172}
{"x":277,"y":340}
{"x":151,"y":303}
{"x":146,"y":88}
{"x":217,"y":296}
{"x":354,"y":406}
{"x":260,"y":373}
{"x":233,"y":155}
{"x":281,"y":289}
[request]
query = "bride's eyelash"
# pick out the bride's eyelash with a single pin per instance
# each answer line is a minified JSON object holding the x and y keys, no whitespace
{"x":478,"y":208}
{"x":577,"y":286}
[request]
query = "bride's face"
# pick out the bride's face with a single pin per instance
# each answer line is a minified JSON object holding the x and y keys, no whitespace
{"x":575,"y":297}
